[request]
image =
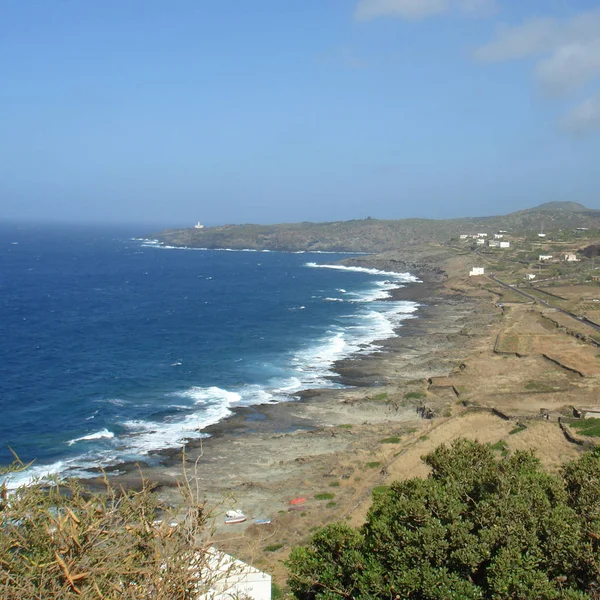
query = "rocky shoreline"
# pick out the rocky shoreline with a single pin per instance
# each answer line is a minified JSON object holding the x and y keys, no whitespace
{"x":241,"y":448}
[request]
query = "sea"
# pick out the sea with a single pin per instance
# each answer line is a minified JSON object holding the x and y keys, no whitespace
{"x":114,"y":347}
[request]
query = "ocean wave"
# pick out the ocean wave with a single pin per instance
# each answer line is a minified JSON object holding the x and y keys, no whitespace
{"x":404,"y":277}
{"x":200,"y":407}
{"x":98,"y":435}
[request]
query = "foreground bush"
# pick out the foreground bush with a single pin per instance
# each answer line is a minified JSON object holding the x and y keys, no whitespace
{"x":63,"y":542}
{"x":475,"y":528}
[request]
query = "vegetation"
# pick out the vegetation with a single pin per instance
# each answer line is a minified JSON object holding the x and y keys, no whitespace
{"x":520,"y":427}
{"x":374,"y":235}
{"x":590,"y":427}
{"x":273,"y":547}
{"x":538,"y":386}
{"x":390,"y":440}
{"x":61,"y":541}
{"x":373,"y":464}
{"x":500,"y":446}
{"x":414,"y":395}
{"x":477,"y":527}
{"x":325,"y":496}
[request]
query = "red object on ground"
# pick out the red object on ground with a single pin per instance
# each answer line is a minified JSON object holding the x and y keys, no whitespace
{"x":298,"y":501}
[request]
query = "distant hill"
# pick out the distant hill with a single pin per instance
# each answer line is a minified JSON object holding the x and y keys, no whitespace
{"x":374,"y":235}
{"x":559,"y":206}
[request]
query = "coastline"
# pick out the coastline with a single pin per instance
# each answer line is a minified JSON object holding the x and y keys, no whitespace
{"x":322,"y":421}
{"x":438,"y":379}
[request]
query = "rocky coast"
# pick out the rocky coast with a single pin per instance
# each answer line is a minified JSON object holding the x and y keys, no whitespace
{"x":441,"y":377}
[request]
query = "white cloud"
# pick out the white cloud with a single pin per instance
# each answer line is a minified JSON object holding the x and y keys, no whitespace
{"x":420,"y":9}
{"x":533,"y":37}
{"x":567,"y":55}
{"x":585,"y":117}
{"x":570,"y":66}
{"x":540,"y":35}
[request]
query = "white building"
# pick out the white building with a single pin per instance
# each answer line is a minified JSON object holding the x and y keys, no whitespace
{"x":477,"y":271}
{"x":198,"y":225}
{"x":530,"y":276}
{"x":545,"y":257}
{"x":541,"y":235}
{"x":504,"y":244}
{"x":494,"y":244}
{"x":498,"y":236}
{"x":482,"y":234}
{"x":231,"y":578}
{"x":480,"y":242}
{"x":570,"y":257}
{"x":464,"y":236}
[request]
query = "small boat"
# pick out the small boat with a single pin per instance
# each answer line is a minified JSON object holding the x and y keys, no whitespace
{"x":234,"y":521}
{"x":234,"y":516}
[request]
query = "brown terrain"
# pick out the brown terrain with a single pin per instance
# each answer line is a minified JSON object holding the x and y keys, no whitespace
{"x":480,"y":362}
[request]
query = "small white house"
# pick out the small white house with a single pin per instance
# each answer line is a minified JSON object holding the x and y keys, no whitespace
{"x":530,"y":276}
{"x":480,"y":242}
{"x":504,"y":244}
{"x":570,"y":257}
{"x":494,"y":243}
{"x":464,"y":236}
{"x":482,"y":234}
{"x":498,"y":236}
{"x":541,"y":235}
{"x":477,"y":271}
{"x":198,"y":225}
{"x":543,"y":257}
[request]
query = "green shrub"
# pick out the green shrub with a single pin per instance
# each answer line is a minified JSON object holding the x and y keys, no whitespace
{"x":390,"y":440}
{"x":325,"y":496}
{"x":476,"y":528}
{"x":415,"y":395}
{"x":273,"y":547}
{"x":373,"y":464}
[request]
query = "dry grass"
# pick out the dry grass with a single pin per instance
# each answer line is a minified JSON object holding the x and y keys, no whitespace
{"x":60,"y":541}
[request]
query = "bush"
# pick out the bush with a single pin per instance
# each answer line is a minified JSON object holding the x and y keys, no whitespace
{"x":477,"y":527}
{"x":325,"y":496}
{"x":63,"y":541}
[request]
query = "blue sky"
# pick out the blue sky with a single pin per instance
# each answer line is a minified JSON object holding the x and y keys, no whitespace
{"x":229,"y":111}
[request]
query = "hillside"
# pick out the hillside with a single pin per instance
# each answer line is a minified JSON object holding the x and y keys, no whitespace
{"x":374,"y":235}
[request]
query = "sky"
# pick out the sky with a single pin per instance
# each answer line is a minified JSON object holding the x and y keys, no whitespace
{"x":230,"y":111}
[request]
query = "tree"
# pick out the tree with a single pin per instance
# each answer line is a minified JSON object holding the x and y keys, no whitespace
{"x":477,"y":527}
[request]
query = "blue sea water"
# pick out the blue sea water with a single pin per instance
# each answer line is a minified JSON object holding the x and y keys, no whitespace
{"x":113,"y":347}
